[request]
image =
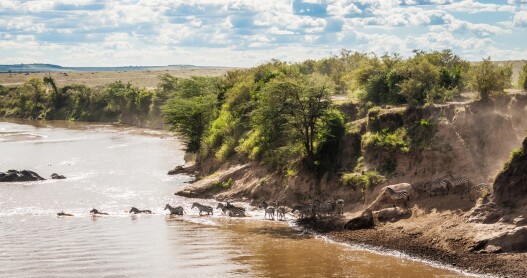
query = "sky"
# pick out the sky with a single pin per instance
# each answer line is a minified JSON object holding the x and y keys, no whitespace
{"x":249,"y":32}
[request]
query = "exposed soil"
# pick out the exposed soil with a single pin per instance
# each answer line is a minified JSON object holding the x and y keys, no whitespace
{"x":471,"y":232}
{"x":441,"y":237}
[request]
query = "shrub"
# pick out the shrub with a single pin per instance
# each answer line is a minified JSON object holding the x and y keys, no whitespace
{"x":367,"y":180}
{"x":487,"y":78}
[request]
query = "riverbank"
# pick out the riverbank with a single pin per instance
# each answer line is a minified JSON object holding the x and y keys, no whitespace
{"x":450,"y":229}
{"x":436,"y":237}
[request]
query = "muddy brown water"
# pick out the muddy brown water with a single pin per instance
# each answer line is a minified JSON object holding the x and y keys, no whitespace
{"x":113,"y":168}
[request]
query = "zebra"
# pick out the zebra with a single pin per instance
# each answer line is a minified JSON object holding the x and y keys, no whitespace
{"x":94,"y":212}
{"x":269,"y":210}
{"x":478,"y":189}
{"x":461,"y":185}
{"x":438,"y":185}
{"x":330,"y":206}
{"x":134,"y":210}
{"x":316,"y":207}
{"x":340,"y":206}
{"x":280,"y":213}
{"x":177,"y":210}
{"x":201,"y":208}
{"x":62,"y":213}
{"x":234,"y":210}
{"x":397,"y":195}
{"x":302,"y":209}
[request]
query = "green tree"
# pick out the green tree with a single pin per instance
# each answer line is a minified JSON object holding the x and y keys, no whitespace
{"x":523,"y":77}
{"x":307,"y":104}
{"x":488,"y":77}
{"x":192,"y":108}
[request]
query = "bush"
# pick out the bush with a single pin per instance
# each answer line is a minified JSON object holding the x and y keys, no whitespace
{"x":488,"y":78}
{"x":522,"y":81}
{"x":367,"y":180}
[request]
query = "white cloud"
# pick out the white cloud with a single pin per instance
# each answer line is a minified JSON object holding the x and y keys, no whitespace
{"x":241,"y":32}
{"x":520,"y":19}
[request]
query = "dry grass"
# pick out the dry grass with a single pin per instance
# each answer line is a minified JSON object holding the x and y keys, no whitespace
{"x":147,"y":78}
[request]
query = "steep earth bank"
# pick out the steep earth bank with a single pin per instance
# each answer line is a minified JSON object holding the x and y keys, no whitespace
{"x":485,"y":232}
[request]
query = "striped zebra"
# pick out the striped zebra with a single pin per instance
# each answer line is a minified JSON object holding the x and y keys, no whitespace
{"x":94,"y":212}
{"x":175,"y":210}
{"x":478,"y":190}
{"x":303,"y":210}
{"x":202,"y":208}
{"x":340,"y":206}
{"x":280,"y":213}
{"x":269,"y":210}
{"x":438,"y":185}
{"x":329,"y":206}
{"x":461,"y":186}
{"x":234,"y":210}
{"x":134,"y":210}
{"x":397,"y":195}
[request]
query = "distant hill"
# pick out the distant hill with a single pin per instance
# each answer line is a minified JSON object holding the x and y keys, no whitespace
{"x":56,"y":68}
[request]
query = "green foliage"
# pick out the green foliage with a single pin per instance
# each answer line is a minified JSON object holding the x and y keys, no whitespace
{"x":333,"y":128}
{"x":389,"y":141}
{"x":522,"y":81}
{"x":363,"y":181}
{"x":515,"y":156}
{"x":43,"y":99}
{"x":487,"y":78}
{"x":191,"y":109}
{"x":219,"y":186}
{"x":424,"y":78}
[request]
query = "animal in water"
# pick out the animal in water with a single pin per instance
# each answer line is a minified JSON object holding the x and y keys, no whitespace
{"x":340,"y":206}
{"x":94,"y":212}
{"x":222,"y":207}
{"x":134,"y":210}
{"x":62,"y":213}
{"x":269,"y":210}
{"x":396,"y":196}
{"x":280,"y":213}
{"x":203,"y":208}
{"x":234,"y":210}
{"x":175,"y":210}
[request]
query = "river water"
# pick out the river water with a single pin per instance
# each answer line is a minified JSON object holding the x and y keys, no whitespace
{"x":113,"y":168}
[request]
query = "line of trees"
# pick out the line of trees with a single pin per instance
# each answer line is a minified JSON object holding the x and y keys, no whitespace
{"x":278,"y":113}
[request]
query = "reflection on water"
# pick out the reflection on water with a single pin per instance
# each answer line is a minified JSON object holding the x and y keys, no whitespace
{"x":113,"y":169}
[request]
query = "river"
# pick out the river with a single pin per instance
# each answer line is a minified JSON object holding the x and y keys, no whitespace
{"x":113,"y":168}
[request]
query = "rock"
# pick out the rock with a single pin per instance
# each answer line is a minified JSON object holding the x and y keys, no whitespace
{"x":178,"y":170}
{"x":510,"y":185}
{"x":19,"y":176}
{"x":56,"y":176}
{"x":490,"y":249}
{"x":520,"y":220}
{"x":364,"y":221}
{"x":392,"y":214}
{"x":511,"y":241}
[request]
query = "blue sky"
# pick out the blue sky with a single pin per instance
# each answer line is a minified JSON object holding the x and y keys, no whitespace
{"x":249,"y":32}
